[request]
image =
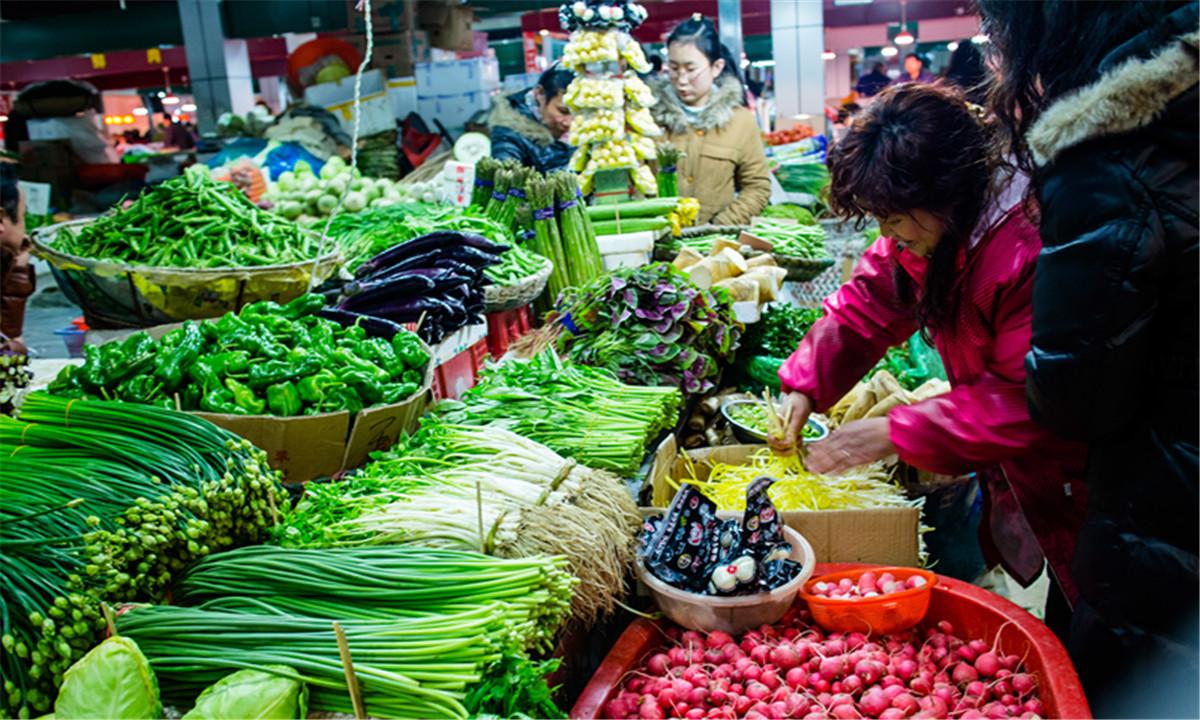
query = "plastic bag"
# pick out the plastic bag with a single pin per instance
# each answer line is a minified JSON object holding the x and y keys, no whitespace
{"x":113,"y":681}
{"x":253,"y":694}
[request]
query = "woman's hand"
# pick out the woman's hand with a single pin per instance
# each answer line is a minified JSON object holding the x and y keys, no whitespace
{"x":800,"y":407}
{"x":853,"y":444}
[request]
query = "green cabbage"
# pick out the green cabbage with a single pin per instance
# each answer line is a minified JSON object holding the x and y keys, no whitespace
{"x":113,"y":680}
{"x":253,"y":694}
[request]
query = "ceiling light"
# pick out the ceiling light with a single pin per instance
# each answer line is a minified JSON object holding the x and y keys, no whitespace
{"x":544,"y":32}
{"x":829,"y":55}
{"x":3,"y":118}
{"x":188,"y":107}
{"x":161,"y":94}
{"x":802,"y":116}
{"x":128,"y":119}
{"x":979,"y":39}
{"x":904,"y":38}
{"x":140,"y":111}
{"x":170,"y":100}
{"x":889,"y":51}
{"x":763,"y":63}
{"x":952,"y":46}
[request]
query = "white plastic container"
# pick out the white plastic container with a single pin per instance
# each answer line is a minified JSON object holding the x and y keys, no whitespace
{"x":739,"y":613}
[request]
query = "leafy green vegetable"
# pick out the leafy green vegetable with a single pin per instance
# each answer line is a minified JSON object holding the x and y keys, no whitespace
{"x":780,"y":330}
{"x":651,"y":326}
{"x":515,"y":687}
{"x":273,"y":693}
{"x":113,"y":680}
{"x":790,"y":211}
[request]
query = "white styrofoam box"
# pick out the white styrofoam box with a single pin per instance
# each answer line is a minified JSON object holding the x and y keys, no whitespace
{"x":456,"y":342}
{"x":48,"y":129}
{"x":376,"y":111}
{"x":463,"y":172}
{"x":516,"y":83}
{"x":453,"y":111}
{"x":458,"y":182}
{"x":342,"y":91}
{"x":456,"y":77}
{"x":612,"y":262}
{"x":402,"y":94}
{"x":638,"y":242}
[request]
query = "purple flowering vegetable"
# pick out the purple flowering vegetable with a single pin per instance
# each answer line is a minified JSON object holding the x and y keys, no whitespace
{"x":651,"y":326}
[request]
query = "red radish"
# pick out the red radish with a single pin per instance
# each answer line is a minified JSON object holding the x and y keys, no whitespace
{"x":921,"y":685}
{"x":994,"y":710}
{"x":658,"y":664}
{"x":873,"y":702}
{"x":1023,"y":684}
{"x":978,"y":646}
{"x":892,"y":681}
{"x":1030,"y":716}
{"x":964,"y":673}
{"x":945,"y":628}
{"x":1002,"y":687}
{"x":844,"y":712}
{"x":752,"y":673}
{"x":717,"y":640}
{"x":832,"y":668}
{"x":757,"y":691}
{"x":648,"y":710}
{"x":835,"y":646}
{"x":761,"y":654}
{"x":892,"y":692}
{"x":756,"y":715}
{"x":796,"y":705}
{"x":1034,"y":706}
{"x":837,"y":688}
{"x":691,"y":637}
{"x":668,"y":698}
{"x":905,"y":669}
{"x":914,"y":582}
{"x":742,"y":704}
{"x":698,"y":696}
{"x":892,"y":714}
{"x":779,"y":709}
{"x":906,"y":702}
{"x":770,"y":678}
{"x":678,"y":656}
{"x":796,"y":677}
{"x":736,"y":689}
{"x":821,"y":685}
{"x":853,"y":684}
{"x":976,"y":689}
{"x":718,"y":696}
{"x":732,"y":652}
{"x":934,"y":705}
{"x":1009,"y":700}
{"x":1011,"y":662}
{"x":966,"y":652}
{"x":786,"y":657}
{"x":695,"y":714}
{"x":616,"y":709}
{"x":681,"y":687}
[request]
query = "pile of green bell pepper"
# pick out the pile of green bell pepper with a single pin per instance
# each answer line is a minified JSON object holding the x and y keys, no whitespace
{"x":273,"y":359}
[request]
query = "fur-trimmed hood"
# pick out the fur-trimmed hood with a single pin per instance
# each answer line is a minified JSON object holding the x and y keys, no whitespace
{"x":512,"y":112}
{"x":1129,"y":95}
{"x":727,"y":95}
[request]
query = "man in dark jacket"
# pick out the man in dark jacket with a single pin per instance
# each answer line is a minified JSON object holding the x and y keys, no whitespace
{"x":1115,"y":356}
{"x":528,"y":126}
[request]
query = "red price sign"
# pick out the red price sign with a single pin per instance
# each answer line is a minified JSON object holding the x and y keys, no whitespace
{"x":531,"y":51}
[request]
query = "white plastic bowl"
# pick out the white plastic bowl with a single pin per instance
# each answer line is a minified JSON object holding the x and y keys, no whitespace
{"x":733,"y":614}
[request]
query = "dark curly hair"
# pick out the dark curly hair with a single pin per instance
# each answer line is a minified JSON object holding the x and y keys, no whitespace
{"x":916,"y":147}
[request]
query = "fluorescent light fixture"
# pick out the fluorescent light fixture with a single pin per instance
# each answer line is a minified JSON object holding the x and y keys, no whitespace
{"x":763,"y":63}
{"x":170,"y":100}
{"x":904,"y":38}
{"x":188,"y":107}
{"x":979,"y":39}
{"x":889,"y":51}
{"x":140,"y":112}
{"x":843,"y":3}
{"x":952,"y":46}
{"x":829,"y":55}
{"x":802,"y":116}
{"x":544,"y":32}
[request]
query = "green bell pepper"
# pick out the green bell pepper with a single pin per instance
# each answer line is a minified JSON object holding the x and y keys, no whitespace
{"x":312,"y":388}
{"x":341,"y":397}
{"x":397,"y":392}
{"x":140,"y":389}
{"x":245,"y":398}
{"x":277,"y":371}
{"x":190,"y":396}
{"x":369,"y":386}
{"x":408,"y":348}
{"x":302,"y":306}
{"x":170,"y":366}
{"x":92,"y":375}
{"x":220,"y":400}
{"x":283,"y":399}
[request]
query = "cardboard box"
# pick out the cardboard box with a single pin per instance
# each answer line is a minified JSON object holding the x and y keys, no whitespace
{"x":453,"y":111}
{"x":449,"y":25}
{"x":456,"y":77}
{"x":885,"y":536}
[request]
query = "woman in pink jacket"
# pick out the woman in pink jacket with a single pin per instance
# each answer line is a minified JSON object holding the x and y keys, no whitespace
{"x":955,"y":261}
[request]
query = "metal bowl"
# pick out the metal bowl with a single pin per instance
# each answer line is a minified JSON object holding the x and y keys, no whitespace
{"x":751,"y":436}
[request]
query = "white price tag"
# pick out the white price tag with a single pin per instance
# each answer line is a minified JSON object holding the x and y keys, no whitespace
{"x":37,"y":197}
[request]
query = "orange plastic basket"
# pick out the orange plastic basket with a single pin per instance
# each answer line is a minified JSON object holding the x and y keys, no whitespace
{"x":873,"y":616}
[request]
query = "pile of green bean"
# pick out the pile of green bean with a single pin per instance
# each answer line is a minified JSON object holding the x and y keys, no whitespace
{"x":191,"y":221}
{"x":107,"y":500}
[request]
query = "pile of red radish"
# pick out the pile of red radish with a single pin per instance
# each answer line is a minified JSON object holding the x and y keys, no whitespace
{"x":795,"y":670}
{"x":868,"y":586}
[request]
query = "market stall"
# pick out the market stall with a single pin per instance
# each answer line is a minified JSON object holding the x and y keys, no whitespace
{"x":349,"y":447}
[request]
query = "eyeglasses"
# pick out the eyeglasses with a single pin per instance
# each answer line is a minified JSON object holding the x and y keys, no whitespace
{"x":683,"y":74}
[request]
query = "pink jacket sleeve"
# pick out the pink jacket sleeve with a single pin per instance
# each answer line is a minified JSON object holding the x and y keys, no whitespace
{"x":982,"y":422}
{"x":862,"y":320}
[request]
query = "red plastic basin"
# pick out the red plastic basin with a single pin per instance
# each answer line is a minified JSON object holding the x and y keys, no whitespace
{"x":974,"y":612}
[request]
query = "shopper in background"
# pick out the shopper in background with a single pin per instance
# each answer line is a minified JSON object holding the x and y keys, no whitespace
{"x":914,"y":71}
{"x":17,"y":279}
{"x":955,"y":261}
{"x":528,"y":126}
{"x":968,"y":72}
{"x":702,"y":109}
{"x":1100,"y":99}
{"x":874,"y":82}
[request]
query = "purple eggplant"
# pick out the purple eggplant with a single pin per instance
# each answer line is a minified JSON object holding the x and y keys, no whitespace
{"x":375,"y":327}
{"x":383,"y":293}
{"x":479,"y":242}
{"x":444,"y":240}
{"x":472,"y":257}
{"x":412,"y":262}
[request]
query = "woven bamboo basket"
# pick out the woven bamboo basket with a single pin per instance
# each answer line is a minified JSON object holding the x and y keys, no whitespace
{"x":498,"y":298}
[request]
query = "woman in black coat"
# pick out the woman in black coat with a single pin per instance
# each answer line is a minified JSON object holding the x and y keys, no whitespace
{"x":529,"y":126}
{"x":1101,"y":100}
